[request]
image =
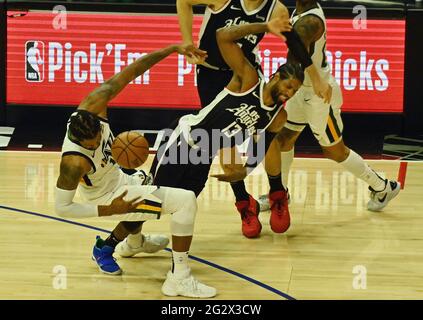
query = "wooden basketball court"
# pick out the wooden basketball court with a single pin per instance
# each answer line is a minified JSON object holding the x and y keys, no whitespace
{"x":335,"y":248}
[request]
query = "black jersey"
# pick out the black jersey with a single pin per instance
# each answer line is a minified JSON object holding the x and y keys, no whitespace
{"x":233,"y":13}
{"x":235,"y":116}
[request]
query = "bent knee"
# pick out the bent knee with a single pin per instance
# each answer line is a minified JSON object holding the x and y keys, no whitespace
{"x":278,"y":122}
{"x":286,"y":139}
{"x":188,"y":199}
{"x":183,"y":219}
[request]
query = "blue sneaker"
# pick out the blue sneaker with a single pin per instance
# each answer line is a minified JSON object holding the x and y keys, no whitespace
{"x":103,"y":256}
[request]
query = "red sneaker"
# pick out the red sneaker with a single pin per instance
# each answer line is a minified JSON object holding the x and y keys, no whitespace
{"x":279,"y":217}
{"x":249,"y":210}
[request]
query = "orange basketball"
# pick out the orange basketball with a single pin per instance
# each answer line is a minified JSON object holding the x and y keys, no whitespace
{"x":130,"y":149}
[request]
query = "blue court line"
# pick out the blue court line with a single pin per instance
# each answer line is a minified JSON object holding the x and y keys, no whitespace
{"x":211,"y":264}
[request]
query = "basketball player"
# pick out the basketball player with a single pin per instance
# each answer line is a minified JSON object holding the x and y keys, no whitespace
{"x":325,"y":121}
{"x":246,"y":104}
{"x":107,"y":191}
{"x":214,"y":73}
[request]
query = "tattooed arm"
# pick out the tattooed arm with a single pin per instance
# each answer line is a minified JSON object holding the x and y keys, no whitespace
{"x":310,"y":28}
{"x":96,"y":102}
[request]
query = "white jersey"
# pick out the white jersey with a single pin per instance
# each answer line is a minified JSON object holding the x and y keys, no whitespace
{"x":105,"y":176}
{"x":318,"y":48}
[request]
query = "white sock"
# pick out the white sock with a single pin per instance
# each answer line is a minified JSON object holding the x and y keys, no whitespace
{"x":287,"y":158}
{"x":135,"y":240}
{"x":356,"y":165}
{"x":180,"y":264}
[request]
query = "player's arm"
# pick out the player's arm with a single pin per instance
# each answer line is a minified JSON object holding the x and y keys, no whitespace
{"x":232,"y":53}
{"x":185,"y":15}
{"x":72,"y":169}
{"x":280,"y":11}
{"x":96,"y":102}
{"x":307,"y":31}
{"x":310,"y":28}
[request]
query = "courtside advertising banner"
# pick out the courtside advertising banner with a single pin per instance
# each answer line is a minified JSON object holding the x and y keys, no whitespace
{"x":51,"y":64}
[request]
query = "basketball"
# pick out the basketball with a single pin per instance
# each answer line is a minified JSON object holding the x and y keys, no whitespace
{"x":130,"y":149}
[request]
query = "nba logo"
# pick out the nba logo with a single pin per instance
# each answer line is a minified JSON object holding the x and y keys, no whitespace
{"x":34,"y":61}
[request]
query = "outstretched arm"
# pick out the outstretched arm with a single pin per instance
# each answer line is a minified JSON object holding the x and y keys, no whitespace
{"x":96,"y":102}
{"x":232,"y":53}
{"x":185,"y":17}
{"x":72,"y":169}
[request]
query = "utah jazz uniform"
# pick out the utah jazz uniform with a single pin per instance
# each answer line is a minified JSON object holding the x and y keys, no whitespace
{"x":306,"y":108}
{"x":215,"y":74}
{"x":106,"y":180}
{"x":228,"y":120}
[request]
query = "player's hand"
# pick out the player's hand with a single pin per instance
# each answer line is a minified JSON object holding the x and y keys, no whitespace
{"x":121,"y":206}
{"x":194,"y":55}
{"x":324,"y":90}
{"x":278,"y":25}
{"x":232,"y":174}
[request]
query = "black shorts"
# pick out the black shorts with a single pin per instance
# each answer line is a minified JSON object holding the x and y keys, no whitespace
{"x":210,"y":83}
{"x":184,"y":175}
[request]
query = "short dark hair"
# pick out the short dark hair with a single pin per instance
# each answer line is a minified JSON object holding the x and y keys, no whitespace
{"x":291,"y":71}
{"x":84,"y":125}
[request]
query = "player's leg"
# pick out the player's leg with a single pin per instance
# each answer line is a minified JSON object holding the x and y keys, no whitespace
{"x":282,"y":156}
{"x":277,"y":199}
{"x":134,"y":241}
{"x":127,"y":239}
{"x":327,"y":126}
{"x":287,"y":139}
{"x":382,"y":190}
{"x":103,"y":249}
{"x":278,"y":162}
{"x":182,"y":205}
{"x":245,"y":204}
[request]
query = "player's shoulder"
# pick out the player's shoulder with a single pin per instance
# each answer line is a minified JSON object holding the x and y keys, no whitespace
{"x":311,"y":24}
{"x":279,"y":10}
{"x":312,"y":19}
{"x":74,"y":164}
{"x":217,"y":4}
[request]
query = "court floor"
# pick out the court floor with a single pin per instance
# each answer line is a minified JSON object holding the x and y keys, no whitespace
{"x":335,"y":248}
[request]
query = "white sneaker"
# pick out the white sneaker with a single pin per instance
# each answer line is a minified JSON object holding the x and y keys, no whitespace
{"x":151,"y":244}
{"x":379,"y":200}
{"x":263,"y":201}
{"x":186,"y":287}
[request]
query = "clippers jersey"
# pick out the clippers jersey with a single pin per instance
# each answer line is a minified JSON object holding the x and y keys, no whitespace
{"x":105,"y":175}
{"x":233,"y":13}
{"x":318,"y":48}
{"x":233,"y":114}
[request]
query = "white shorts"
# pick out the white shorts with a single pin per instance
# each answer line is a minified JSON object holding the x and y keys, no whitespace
{"x":151,"y":208}
{"x":324,"y":119}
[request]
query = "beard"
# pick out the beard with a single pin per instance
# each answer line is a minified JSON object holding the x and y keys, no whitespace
{"x":274,"y":93}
